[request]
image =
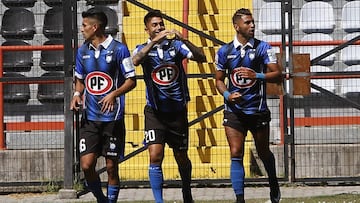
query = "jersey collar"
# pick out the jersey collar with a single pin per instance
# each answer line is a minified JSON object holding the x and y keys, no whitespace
{"x":105,"y":44}
{"x":238,"y":45}
{"x":165,"y":42}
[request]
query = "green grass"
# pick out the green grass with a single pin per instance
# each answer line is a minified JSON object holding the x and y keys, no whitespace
{"x":343,"y":198}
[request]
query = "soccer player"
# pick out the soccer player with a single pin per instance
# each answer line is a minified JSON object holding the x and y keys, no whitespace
{"x":166,"y":97}
{"x":248,"y":64}
{"x":104,"y":73}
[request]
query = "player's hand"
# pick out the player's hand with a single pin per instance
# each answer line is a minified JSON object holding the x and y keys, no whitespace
{"x":235,"y":97}
{"x":177,"y":34}
{"x":75,"y":103}
{"x":107,"y":103}
{"x":161,"y":36}
{"x":247,"y":73}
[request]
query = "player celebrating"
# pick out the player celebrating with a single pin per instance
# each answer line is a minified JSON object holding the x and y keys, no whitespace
{"x":166,"y":97}
{"x":249,"y":63}
{"x":104,"y":73}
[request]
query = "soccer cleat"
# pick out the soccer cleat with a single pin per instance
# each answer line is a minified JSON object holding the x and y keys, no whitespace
{"x":240,"y":199}
{"x":275,"y":195}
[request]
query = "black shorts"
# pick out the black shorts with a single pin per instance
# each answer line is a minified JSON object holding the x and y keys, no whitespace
{"x":244,"y":122}
{"x":103,"y":138}
{"x":164,"y":127}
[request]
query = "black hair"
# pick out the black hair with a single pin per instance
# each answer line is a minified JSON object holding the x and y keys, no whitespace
{"x":151,"y":14}
{"x":97,"y":14}
{"x":239,"y":13}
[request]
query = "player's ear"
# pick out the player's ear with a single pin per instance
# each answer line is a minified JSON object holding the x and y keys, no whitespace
{"x":146,"y":30}
{"x":236,"y":27}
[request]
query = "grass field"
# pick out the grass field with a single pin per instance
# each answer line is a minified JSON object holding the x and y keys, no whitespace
{"x":343,"y":198}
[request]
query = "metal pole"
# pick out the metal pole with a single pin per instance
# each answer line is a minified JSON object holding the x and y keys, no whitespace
{"x":2,"y":135}
{"x":287,"y":47}
{"x":291,"y":135}
{"x":69,"y":118}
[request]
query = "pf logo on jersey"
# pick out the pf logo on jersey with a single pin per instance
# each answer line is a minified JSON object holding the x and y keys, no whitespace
{"x":98,"y":83}
{"x":240,"y":82}
{"x":165,"y":74}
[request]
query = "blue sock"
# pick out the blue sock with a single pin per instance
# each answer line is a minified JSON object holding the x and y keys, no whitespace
{"x":95,"y":188}
{"x":185,"y":174}
{"x":237,"y":175}
{"x":156,"y":182}
{"x":113,"y":193}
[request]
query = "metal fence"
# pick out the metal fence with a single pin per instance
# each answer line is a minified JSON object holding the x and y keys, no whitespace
{"x":314,"y":136}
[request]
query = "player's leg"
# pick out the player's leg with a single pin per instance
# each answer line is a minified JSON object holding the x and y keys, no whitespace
{"x":261,"y":138}
{"x":113,"y":149}
{"x":236,"y":141}
{"x":185,"y":168}
{"x":112,"y":168}
{"x":89,"y":152}
{"x":154,"y":138}
{"x":178,"y":140}
{"x":92,"y":183}
{"x":235,"y":131}
{"x":156,"y":152}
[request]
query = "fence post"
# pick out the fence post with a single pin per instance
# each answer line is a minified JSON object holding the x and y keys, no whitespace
{"x":2,"y":135}
{"x":68,"y":10}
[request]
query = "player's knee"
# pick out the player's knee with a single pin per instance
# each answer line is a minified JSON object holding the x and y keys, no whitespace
{"x":112,"y":173}
{"x":156,"y":158}
{"x":87,"y":167}
{"x":181,"y":157}
{"x":156,"y":161}
{"x":236,"y":153}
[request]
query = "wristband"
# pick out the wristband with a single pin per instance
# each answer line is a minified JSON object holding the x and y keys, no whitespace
{"x":226,"y":95}
{"x":260,"y":76}
{"x":76,"y":93}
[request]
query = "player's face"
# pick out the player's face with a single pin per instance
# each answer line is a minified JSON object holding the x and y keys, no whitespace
{"x":245,"y":26}
{"x":154,"y":26}
{"x":88,"y":28}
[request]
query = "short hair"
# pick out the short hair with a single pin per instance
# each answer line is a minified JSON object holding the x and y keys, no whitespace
{"x":98,"y":15}
{"x":239,"y":13}
{"x":151,"y":14}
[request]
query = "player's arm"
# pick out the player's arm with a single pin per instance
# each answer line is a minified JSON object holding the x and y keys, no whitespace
{"x":109,"y":100}
{"x":139,"y":55}
{"x":221,"y":87}
{"x":128,"y":70}
{"x":197,"y":53}
{"x":220,"y":84}
{"x":220,"y":75}
{"x":78,"y":91}
{"x":272,"y":75}
{"x":127,"y":86}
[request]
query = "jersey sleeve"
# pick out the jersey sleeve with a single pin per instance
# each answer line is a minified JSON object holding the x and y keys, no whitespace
{"x":79,"y":67}
{"x":220,"y":59}
{"x":137,"y":49}
{"x":268,"y":53}
{"x":125,"y":61}
{"x":184,"y":50}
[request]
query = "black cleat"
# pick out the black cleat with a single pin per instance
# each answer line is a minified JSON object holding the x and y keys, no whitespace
{"x":275,"y":195}
{"x":240,"y":199}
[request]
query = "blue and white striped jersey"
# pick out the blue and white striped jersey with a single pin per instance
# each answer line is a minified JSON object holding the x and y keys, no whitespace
{"x":103,"y":70}
{"x":253,"y":55}
{"x":164,"y":75}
